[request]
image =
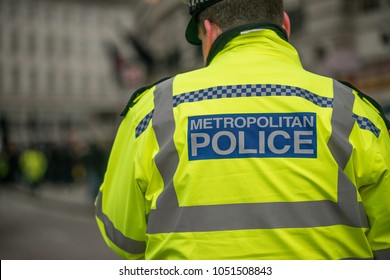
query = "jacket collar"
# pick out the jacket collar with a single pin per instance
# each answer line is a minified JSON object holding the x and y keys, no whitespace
{"x":229,"y":35}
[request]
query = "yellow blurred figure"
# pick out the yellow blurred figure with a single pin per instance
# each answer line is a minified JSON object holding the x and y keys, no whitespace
{"x":33,"y":165}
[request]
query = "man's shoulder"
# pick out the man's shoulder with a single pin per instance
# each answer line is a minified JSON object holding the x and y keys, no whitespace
{"x":136,"y":95}
{"x":368,"y":100}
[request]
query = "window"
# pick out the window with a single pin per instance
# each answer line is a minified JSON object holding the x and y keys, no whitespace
{"x":51,"y":82}
{"x":15,"y":41}
{"x":66,"y":45}
{"x":102,"y":82}
{"x":32,"y":43}
{"x":31,"y":9}
{"x":12,"y":8}
{"x":83,"y":47}
{"x":1,"y":79}
{"x":67,"y":83}
{"x":66,"y":13}
{"x":49,"y":44}
{"x":1,"y":37}
{"x":15,"y":79}
{"x":369,"y":5}
{"x":33,"y":86}
{"x":49,"y":8}
{"x":86,"y":84}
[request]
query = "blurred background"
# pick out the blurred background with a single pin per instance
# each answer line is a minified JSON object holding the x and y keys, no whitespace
{"x":68,"y":68}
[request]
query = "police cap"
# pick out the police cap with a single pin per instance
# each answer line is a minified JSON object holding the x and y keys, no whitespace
{"x":195,"y":7}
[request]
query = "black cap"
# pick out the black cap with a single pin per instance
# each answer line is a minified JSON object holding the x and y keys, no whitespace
{"x":195,"y":7}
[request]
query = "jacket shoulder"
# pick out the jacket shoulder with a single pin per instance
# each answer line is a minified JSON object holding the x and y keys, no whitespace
{"x":370,"y":100}
{"x":134,"y":97}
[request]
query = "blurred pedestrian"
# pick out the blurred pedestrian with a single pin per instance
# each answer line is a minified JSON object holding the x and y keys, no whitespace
{"x":250,"y":157}
{"x":33,"y":165}
{"x":11,"y":170}
{"x":95,"y":161}
{"x":4,"y":168}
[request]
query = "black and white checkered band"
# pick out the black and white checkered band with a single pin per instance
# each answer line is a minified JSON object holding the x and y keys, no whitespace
{"x":254,"y":90}
{"x":237,"y":91}
{"x":198,"y":5}
{"x":366,"y":124}
{"x":141,"y":127}
{"x":251,"y":90}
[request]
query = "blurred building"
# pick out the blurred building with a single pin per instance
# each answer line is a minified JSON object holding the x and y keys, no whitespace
{"x":69,"y":65}
{"x":346,"y":39}
{"x":55,"y":74}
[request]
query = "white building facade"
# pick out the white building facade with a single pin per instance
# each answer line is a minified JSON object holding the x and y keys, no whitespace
{"x":54,"y":70}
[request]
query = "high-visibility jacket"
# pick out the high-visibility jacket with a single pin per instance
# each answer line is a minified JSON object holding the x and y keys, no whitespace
{"x":250,"y":157}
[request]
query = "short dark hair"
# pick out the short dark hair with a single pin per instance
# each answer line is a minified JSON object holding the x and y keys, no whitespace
{"x":228,"y":14}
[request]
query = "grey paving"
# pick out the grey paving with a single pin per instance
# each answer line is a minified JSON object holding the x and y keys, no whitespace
{"x":55,"y":224}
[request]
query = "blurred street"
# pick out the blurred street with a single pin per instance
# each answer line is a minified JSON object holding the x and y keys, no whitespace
{"x":57,"y":223}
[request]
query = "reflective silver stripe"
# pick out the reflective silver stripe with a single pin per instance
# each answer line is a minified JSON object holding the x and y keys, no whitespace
{"x":129,"y":245}
{"x":347,"y":200}
{"x":248,"y":216}
{"x":382,"y":254}
{"x":164,"y":126}
{"x":341,"y":149}
{"x":169,"y":217}
{"x":342,"y":124}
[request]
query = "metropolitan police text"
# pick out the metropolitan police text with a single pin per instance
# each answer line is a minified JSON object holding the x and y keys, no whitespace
{"x":252,"y":135}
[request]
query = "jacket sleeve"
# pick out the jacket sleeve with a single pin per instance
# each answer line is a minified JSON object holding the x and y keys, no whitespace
{"x":376,"y":199}
{"x":120,"y":205}
{"x":372,"y":172}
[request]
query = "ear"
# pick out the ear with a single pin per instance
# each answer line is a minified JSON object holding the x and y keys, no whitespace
{"x":212,"y":31}
{"x":208,"y":37}
{"x":286,"y":24}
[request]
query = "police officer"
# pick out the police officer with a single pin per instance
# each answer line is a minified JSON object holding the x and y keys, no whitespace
{"x":250,"y":157}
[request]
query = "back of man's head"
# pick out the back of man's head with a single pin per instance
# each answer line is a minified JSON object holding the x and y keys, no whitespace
{"x":228,"y":14}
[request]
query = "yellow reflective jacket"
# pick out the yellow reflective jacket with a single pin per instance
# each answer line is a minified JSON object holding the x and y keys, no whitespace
{"x":251,"y":157}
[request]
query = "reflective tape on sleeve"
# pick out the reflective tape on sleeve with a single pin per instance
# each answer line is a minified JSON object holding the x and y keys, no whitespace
{"x":124,"y":243}
{"x":164,"y":126}
{"x":343,"y":122}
